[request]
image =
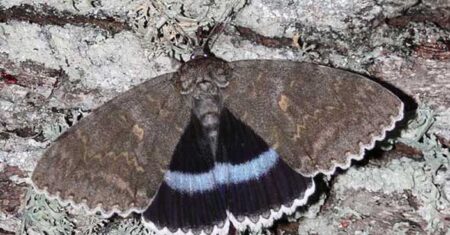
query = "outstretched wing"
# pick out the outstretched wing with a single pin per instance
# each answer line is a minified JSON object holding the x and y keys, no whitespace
{"x":114,"y":159}
{"x":317,"y":118}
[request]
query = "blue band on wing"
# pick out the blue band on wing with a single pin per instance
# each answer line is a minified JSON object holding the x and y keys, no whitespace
{"x":187,"y":182}
{"x":222,"y":173}
{"x":226,"y":173}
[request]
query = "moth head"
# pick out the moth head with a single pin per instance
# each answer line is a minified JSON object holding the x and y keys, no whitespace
{"x":202,"y":69}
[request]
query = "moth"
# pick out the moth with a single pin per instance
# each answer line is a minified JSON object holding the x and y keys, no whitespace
{"x":218,"y":143}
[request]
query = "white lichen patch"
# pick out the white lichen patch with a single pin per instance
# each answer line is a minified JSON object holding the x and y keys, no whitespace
{"x":91,"y":57}
{"x":275,"y":18}
{"x":9,"y":223}
{"x":22,"y":152}
{"x":16,"y":110}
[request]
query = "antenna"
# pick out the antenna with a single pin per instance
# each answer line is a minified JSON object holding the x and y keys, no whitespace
{"x":227,"y":17}
{"x":199,"y":46}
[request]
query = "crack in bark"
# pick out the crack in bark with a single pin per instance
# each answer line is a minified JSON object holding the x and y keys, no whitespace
{"x":29,"y":73}
{"x":439,"y":16}
{"x":275,"y":42}
{"x":46,"y":15}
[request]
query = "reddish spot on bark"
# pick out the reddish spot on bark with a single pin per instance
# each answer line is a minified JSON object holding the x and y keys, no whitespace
{"x":444,"y":141}
{"x":8,"y":78}
{"x":344,"y":223}
{"x":439,"y":50}
{"x":408,"y":150}
{"x":11,"y":193}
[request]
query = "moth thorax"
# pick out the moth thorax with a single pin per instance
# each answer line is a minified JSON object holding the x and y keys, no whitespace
{"x":206,"y":106}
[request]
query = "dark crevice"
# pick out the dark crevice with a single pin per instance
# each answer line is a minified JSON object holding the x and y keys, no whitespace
{"x":46,"y":15}
{"x":275,"y":42}
{"x":71,"y":118}
{"x":439,"y":16}
{"x":4,"y":136}
{"x":29,"y":73}
{"x":23,"y":132}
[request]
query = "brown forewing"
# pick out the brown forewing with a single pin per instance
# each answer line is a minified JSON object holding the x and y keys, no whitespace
{"x":316,"y":117}
{"x":115,"y":158}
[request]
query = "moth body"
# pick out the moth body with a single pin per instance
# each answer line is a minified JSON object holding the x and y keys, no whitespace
{"x":201,"y":81}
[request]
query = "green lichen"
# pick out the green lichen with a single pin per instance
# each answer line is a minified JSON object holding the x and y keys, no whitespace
{"x":129,"y":226}
{"x":89,"y":224}
{"x":44,"y":216}
{"x":417,"y":128}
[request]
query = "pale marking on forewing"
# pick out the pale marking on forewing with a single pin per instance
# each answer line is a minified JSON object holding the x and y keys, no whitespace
{"x":299,"y":129}
{"x":118,"y":182}
{"x":283,"y":103}
{"x":138,"y":132}
{"x":132,"y":160}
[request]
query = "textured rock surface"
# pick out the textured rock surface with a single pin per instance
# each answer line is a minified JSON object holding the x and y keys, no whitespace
{"x":60,"y":59}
